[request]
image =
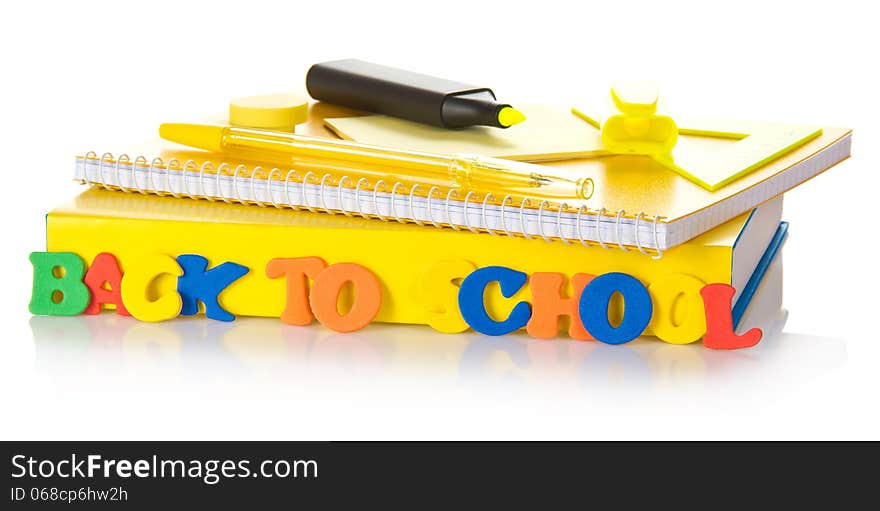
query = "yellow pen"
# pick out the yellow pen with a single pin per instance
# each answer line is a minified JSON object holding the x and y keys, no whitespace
{"x":468,"y":172}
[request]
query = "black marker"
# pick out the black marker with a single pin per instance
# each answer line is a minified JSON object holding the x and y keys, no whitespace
{"x":399,"y":93}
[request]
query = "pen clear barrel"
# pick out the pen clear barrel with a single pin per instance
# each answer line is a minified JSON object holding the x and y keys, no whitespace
{"x":342,"y":158}
{"x":482,"y":173}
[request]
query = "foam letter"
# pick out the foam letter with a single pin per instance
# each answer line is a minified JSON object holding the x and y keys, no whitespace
{"x":105,"y":269}
{"x":324,"y":297}
{"x":666,"y":292}
{"x":57,"y":286}
{"x":473,"y":308}
{"x":439,"y":294}
{"x":594,"y":302}
{"x":719,"y":320}
{"x":548,"y":305}
{"x":138,"y":275}
{"x":296,"y":269}
{"x":199,"y":284}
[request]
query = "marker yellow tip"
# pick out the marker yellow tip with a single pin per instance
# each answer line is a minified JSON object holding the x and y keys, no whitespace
{"x":508,"y":116}
{"x":201,"y":136}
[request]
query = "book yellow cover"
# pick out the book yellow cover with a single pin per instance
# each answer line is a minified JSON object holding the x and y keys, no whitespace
{"x":418,"y":270}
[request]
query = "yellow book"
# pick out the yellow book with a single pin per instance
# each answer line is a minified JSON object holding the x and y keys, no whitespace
{"x":418,"y":269}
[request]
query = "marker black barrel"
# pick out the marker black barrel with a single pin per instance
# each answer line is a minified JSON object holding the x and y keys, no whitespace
{"x":389,"y":91}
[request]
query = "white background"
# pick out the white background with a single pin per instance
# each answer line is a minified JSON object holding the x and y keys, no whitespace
{"x":86,"y":75}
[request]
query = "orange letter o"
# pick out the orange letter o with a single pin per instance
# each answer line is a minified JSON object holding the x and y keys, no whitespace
{"x":324,"y":297}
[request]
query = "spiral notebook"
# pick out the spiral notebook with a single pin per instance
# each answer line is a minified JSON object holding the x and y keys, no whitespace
{"x":638,"y":204}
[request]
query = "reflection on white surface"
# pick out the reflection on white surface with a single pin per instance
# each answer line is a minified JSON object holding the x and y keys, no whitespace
{"x":114,"y":351}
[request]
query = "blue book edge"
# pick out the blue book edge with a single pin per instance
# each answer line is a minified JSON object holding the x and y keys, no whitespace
{"x":754,"y":282}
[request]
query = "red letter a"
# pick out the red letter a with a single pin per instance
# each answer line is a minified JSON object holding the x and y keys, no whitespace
{"x":105,"y":268}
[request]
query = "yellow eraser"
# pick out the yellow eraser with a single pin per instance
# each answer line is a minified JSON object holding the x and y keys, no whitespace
{"x":279,"y":112}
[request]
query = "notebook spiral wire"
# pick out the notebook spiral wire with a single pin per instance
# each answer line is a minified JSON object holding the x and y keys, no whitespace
{"x":206,"y":170}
